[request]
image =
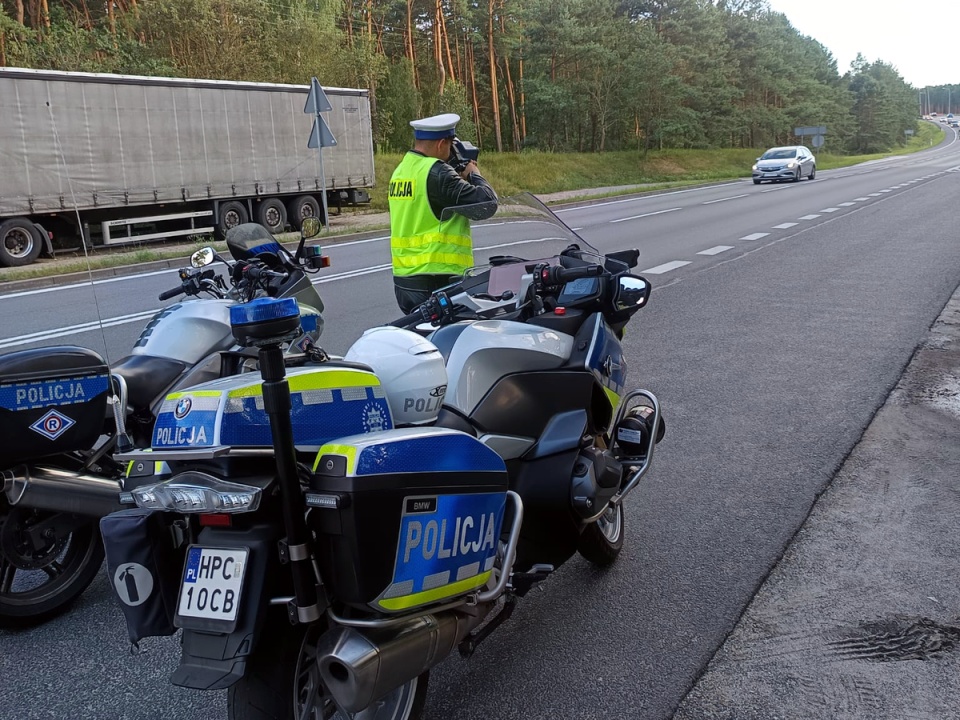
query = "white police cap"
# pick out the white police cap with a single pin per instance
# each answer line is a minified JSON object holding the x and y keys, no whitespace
{"x":436,"y":127}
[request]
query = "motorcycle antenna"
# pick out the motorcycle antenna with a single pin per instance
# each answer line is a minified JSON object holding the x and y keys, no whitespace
{"x":61,"y":155}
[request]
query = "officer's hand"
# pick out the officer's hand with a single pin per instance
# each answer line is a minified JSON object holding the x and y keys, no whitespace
{"x":470,"y":168}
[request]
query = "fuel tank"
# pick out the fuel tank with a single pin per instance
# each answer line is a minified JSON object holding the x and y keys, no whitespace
{"x":187,"y":331}
{"x":192,"y":330}
{"x":487,"y":350}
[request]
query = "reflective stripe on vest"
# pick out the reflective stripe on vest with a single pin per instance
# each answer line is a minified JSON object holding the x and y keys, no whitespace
{"x":419,"y":243}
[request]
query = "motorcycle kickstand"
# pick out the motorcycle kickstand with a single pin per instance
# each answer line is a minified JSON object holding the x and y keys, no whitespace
{"x":469,"y":644}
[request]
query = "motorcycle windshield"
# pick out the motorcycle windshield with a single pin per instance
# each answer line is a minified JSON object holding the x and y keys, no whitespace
{"x":511,"y":235}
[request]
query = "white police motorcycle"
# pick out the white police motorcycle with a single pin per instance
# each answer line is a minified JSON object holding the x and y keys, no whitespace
{"x":342,"y":527}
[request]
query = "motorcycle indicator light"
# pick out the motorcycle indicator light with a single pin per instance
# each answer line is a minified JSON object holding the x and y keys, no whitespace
{"x":560,"y":311}
{"x":315,"y":257}
{"x":196,"y":492}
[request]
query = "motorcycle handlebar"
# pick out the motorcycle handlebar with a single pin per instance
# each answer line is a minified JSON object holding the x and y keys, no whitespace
{"x":563,"y":275}
{"x":173,"y":292}
{"x":408,"y":320}
{"x":255,"y":273}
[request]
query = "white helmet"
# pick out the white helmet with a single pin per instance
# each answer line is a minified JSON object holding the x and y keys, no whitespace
{"x":410,"y":369}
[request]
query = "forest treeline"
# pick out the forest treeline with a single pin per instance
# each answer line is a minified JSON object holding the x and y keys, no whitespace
{"x":559,"y":75}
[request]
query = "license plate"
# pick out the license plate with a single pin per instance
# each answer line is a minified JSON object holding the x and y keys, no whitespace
{"x":212,"y":581}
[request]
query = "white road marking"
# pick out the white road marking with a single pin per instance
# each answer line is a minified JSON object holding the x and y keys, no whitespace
{"x":666,"y":267}
{"x":874,"y":194}
{"x":357,"y":242}
{"x":783,"y":226}
{"x":846,"y":204}
{"x":644,"y":197}
{"x":716,"y":250}
{"x":352,"y":274}
{"x":754,"y":236}
{"x":781,"y":187}
{"x":809,"y":217}
{"x":732,"y":197}
{"x":829,"y":210}
{"x":859,"y":199}
{"x":76,"y":329}
{"x":86,"y":283}
{"x":635,"y":217}
{"x":887,"y":190}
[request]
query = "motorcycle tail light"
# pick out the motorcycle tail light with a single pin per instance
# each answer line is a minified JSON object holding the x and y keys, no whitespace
{"x":216,"y":520}
{"x":196,"y":492}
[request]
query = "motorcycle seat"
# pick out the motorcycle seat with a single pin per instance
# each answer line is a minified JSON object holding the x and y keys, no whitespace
{"x":147,"y":376}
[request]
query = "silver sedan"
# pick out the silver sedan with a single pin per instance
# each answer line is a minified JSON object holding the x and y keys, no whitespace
{"x":791,"y":162}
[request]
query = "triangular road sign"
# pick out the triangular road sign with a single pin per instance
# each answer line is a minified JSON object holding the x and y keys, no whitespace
{"x":316,"y":100}
{"x":321,"y":136}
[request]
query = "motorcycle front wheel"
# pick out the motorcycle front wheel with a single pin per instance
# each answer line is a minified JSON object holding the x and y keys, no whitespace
{"x":602,"y":540}
{"x":41,"y":574}
{"x":282,"y":682}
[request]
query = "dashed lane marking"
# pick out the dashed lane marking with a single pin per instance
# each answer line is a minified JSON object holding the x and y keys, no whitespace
{"x":716,"y":250}
{"x":666,"y":267}
{"x":754,"y":236}
{"x":846,"y":204}
{"x":732,"y":197}
{"x":783,"y":226}
{"x":636,"y":217}
{"x":829,"y":209}
{"x":809,"y":217}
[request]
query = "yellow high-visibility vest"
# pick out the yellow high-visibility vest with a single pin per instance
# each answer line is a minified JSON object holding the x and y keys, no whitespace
{"x":419,"y":243}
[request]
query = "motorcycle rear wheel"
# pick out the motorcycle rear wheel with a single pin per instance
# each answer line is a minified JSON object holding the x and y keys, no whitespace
{"x":282,"y":682}
{"x":602,"y":540}
{"x":65,"y":569}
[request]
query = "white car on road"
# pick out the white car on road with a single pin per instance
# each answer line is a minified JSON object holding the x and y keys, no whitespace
{"x":790,"y":162}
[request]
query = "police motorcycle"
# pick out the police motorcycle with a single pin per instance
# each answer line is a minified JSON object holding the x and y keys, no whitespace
{"x":327,"y":534}
{"x":65,"y":413}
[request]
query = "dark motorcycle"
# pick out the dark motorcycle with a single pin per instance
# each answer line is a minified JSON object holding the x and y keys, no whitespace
{"x":65,"y":413}
{"x":326,"y":535}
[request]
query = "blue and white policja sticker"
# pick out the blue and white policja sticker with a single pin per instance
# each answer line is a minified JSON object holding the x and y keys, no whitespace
{"x":447,"y":546}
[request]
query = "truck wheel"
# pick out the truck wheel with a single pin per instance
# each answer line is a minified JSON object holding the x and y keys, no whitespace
{"x":20,"y":242}
{"x":301,"y":207}
{"x":232,"y":213}
{"x":272,"y":215}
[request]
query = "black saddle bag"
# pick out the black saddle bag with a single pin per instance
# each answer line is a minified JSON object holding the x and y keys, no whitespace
{"x":144,"y":565}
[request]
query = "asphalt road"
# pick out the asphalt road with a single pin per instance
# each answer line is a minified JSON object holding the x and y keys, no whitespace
{"x":781,"y":318}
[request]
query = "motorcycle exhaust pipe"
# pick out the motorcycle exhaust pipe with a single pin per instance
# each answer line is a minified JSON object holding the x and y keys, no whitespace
{"x":57,"y":490}
{"x":359,"y":667}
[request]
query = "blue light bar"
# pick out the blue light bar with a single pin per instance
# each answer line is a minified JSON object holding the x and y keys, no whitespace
{"x":264,"y":310}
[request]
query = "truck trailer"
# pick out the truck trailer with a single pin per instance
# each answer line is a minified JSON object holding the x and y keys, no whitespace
{"x":97,"y":159}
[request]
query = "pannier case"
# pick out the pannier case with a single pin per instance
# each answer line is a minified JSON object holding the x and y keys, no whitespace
{"x":407,"y":518}
{"x":52,"y":400}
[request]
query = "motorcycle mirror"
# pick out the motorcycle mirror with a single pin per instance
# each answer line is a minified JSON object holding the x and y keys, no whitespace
{"x":632,"y":292}
{"x":310,"y":227}
{"x":203,"y":257}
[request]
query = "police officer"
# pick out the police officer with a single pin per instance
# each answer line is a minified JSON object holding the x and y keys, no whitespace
{"x":430,"y":247}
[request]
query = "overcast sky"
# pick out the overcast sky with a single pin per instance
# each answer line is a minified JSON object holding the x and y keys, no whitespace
{"x":916,"y":38}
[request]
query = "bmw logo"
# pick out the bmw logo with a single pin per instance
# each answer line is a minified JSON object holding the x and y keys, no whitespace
{"x":183,"y":408}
